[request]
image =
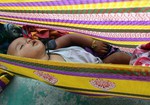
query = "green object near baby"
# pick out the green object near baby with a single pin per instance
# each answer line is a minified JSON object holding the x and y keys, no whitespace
{"x":26,"y":91}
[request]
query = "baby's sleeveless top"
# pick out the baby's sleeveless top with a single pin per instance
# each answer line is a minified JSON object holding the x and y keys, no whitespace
{"x":76,"y":54}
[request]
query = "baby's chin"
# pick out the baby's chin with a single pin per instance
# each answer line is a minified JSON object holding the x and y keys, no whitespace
{"x":40,"y":45}
{"x":9,"y":52}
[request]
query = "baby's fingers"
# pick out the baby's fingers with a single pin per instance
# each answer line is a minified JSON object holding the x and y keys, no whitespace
{"x":104,"y":48}
{"x":104,"y":51}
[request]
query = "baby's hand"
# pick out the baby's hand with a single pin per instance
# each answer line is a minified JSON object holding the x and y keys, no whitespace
{"x":100,"y":47}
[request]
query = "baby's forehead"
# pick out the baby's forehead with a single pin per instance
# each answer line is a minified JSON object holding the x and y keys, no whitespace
{"x":12,"y":46}
{"x":19,"y":40}
{"x":16,"y":41}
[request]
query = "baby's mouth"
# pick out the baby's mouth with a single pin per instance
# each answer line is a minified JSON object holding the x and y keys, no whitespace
{"x":34,"y":43}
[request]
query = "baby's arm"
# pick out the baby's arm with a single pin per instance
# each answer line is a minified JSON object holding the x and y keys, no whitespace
{"x":83,"y":41}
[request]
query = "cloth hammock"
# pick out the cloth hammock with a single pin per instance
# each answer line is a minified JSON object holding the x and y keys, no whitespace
{"x":124,"y":23}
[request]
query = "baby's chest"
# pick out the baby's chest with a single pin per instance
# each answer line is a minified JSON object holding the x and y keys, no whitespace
{"x":56,"y":57}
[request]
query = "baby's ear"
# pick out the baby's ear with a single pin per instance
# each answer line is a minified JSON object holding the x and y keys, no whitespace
{"x":146,"y":46}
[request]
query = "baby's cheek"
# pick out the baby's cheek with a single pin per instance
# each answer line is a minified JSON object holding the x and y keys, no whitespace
{"x":28,"y":46}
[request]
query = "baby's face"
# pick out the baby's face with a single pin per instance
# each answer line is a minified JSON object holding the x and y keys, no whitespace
{"x":25,"y":47}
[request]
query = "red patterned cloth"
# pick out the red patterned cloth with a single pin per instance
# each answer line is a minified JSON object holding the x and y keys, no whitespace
{"x":34,"y":32}
{"x":141,"y":55}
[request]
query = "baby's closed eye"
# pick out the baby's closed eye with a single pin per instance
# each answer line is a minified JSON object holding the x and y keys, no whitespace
{"x":21,"y":46}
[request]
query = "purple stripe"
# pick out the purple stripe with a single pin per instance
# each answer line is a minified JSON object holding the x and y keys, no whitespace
{"x":67,"y":29}
{"x":85,"y":22}
{"x":83,"y":74}
{"x":89,"y":22}
{"x":2,"y":84}
{"x":59,"y":2}
{"x":124,"y":39}
{"x":97,"y":23}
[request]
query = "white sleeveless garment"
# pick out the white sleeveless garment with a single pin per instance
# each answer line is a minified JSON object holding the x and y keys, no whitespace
{"x":76,"y":54}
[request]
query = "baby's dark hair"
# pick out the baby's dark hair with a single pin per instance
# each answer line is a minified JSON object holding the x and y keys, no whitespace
{"x":9,"y":32}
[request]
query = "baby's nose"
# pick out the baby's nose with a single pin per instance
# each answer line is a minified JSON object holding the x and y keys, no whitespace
{"x":28,"y":40}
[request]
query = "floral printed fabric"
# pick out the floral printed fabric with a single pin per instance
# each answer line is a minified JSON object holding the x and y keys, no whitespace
{"x":34,"y":32}
{"x":141,"y":55}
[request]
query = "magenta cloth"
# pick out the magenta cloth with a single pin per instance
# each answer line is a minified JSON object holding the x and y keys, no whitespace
{"x":111,"y":50}
{"x":141,"y":55}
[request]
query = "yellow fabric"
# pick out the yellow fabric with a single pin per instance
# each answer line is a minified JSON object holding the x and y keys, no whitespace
{"x":121,"y":85}
{"x":129,"y":4}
